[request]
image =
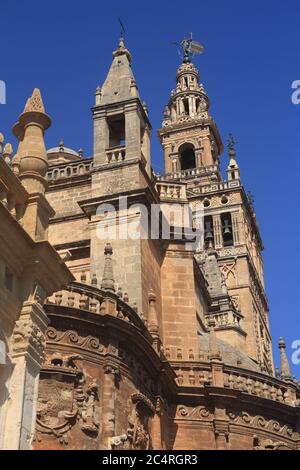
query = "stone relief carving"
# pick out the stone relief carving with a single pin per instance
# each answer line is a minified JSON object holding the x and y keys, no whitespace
{"x":197,"y":412}
{"x":27,"y":333}
{"x":259,"y":422}
{"x":137,"y":436}
{"x":269,"y":444}
{"x":70,"y":337}
{"x":138,"y":431}
{"x":66,"y":399}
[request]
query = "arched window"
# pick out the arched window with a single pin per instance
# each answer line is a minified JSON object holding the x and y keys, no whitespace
{"x":187,"y":157}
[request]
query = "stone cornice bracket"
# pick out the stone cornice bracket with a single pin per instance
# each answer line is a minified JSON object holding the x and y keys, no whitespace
{"x":112,"y":368}
{"x":221,"y":431}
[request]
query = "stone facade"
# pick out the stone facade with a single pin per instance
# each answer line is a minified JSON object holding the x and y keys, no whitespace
{"x":30,"y":270}
{"x":155,"y":343}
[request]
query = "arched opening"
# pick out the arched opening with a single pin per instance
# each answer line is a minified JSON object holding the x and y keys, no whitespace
{"x":187,"y":157}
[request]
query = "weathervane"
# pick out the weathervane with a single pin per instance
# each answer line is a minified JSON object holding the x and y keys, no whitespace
{"x":231,"y":144}
{"x":190,"y":48}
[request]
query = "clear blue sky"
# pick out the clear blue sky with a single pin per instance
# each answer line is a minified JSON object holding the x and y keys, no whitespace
{"x":251,"y":58}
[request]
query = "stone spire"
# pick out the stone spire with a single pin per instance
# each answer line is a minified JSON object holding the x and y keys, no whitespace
{"x":284,"y":363}
{"x":32,"y":156}
{"x":108,"y":282}
{"x":152,"y":321}
{"x":120,"y":83}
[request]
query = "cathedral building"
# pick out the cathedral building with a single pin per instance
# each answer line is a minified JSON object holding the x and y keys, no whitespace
{"x":151,"y":341}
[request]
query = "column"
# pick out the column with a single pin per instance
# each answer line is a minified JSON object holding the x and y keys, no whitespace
{"x":26,"y":355}
{"x":218,"y":238}
{"x":207,"y":155}
{"x":168,"y":161}
{"x":235,"y":227}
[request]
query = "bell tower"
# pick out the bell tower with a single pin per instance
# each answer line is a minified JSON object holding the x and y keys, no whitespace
{"x":230,"y":257}
{"x":189,"y":136}
{"x":121,"y":124}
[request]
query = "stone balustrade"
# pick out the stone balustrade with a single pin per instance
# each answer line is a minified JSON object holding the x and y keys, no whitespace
{"x":174,"y":191}
{"x":98,"y":301}
{"x":195,"y":373}
{"x":261,"y":385}
{"x":190,"y":172}
{"x":225,"y":319}
{"x":70,"y":170}
{"x":116,"y":154}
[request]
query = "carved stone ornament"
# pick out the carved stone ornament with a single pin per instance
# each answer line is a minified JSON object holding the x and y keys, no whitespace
{"x":138,"y":431}
{"x":269,"y":444}
{"x":28,"y":334}
{"x":259,"y":422}
{"x":66,"y":399}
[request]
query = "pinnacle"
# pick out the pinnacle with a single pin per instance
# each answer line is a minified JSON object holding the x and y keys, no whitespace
{"x":35,"y":102}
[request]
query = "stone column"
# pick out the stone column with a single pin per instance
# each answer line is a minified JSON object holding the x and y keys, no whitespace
{"x":218,"y":239}
{"x":168,"y":161}
{"x":207,"y":155}
{"x":235,"y":227}
{"x":26,"y":355}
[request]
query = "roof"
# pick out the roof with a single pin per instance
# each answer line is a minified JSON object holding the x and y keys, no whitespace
{"x":64,"y":150}
{"x":230,"y":355}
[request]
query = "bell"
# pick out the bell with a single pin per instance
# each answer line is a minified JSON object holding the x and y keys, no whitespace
{"x":208,"y":232}
{"x":226,"y":227}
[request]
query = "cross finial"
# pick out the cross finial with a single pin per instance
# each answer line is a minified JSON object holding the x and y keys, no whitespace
{"x":122,"y":29}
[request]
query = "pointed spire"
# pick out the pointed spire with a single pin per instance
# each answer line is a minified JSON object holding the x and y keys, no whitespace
{"x":214,"y":352}
{"x":152,"y":321}
{"x":152,"y":315}
{"x":108,"y":282}
{"x":120,"y":84}
{"x":35,"y":103}
{"x":284,"y":363}
{"x":122,"y":50}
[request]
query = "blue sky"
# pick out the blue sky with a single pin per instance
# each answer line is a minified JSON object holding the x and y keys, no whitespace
{"x":251,"y":58}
